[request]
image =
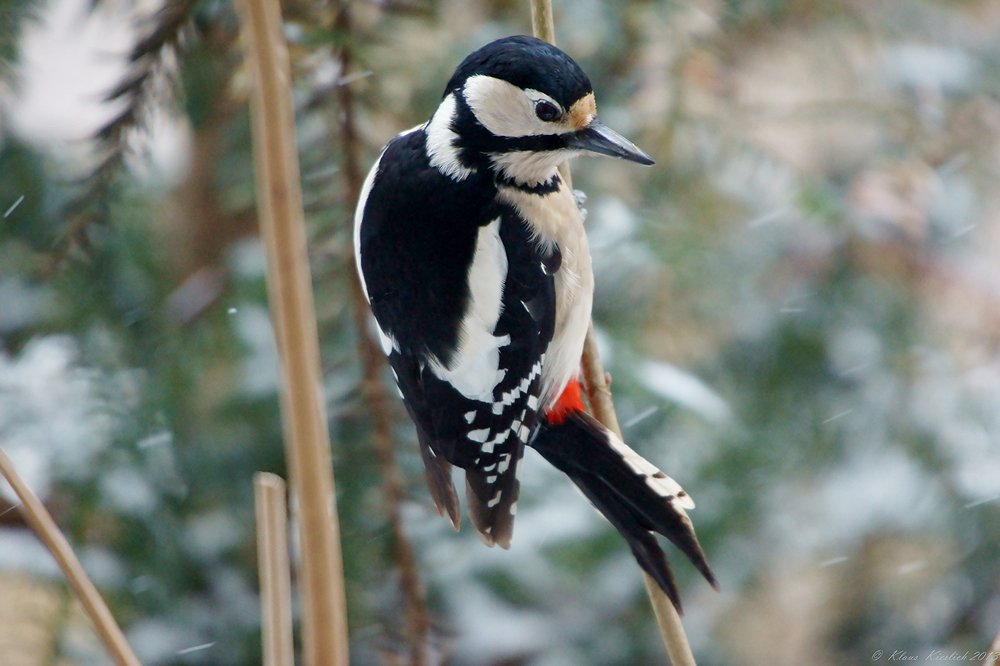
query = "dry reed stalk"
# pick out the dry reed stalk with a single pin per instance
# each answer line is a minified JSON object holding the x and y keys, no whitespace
{"x":543,"y":23}
{"x":603,"y":409}
{"x":275,"y":572}
{"x":373,"y":372}
{"x":39,"y":519}
{"x":279,"y":205}
{"x":993,"y":656}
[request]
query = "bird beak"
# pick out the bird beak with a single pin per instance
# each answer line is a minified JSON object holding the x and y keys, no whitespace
{"x":599,"y":138}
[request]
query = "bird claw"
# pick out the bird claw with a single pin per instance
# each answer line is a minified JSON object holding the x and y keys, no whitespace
{"x":580,"y":197}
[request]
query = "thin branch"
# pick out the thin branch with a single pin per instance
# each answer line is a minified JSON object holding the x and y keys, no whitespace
{"x":543,"y":24}
{"x":373,"y":371}
{"x":146,"y":61}
{"x":603,"y":409}
{"x":599,"y":397}
{"x":46,"y":529}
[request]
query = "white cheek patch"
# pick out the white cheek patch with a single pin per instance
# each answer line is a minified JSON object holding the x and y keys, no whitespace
{"x":506,"y":110}
{"x":441,"y":138}
{"x":475,"y":366}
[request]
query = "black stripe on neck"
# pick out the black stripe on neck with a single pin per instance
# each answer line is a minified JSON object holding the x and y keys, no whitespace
{"x":547,"y":187}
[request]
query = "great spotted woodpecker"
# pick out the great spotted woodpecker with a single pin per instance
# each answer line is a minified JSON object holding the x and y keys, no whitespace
{"x":472,"y":253}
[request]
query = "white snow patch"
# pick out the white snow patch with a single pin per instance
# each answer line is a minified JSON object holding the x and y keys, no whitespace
{"x":209,"y":535}
{"x":21,"y":550}
{"x":491,"y":630}
{"x":24,"y":304}
{"x":52,"y":416}
{"x":127,"y":490}
{"x":685,"y":389}
{"x":928,"y":67}
{"x":158,"y":641}
{"x":875,"y":488}
{"x":252,"y":323}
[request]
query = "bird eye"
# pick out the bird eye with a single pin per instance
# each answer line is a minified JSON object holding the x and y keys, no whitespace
{"x":546,"y":111}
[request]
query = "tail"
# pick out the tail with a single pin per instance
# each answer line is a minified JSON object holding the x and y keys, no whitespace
{"x":628,"y":490}
{"x":438,"y":471}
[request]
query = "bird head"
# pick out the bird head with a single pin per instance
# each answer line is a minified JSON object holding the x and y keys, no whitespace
{"x":519,"y":107}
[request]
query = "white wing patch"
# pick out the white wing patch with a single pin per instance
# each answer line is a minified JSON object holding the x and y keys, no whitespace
{"x":441,"y":142}
{"x":475,"y":366}
{"x":661,"y":484}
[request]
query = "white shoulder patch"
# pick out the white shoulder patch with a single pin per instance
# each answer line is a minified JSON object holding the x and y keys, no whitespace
{"x":475,"y":367}
{"x":441,"y":142}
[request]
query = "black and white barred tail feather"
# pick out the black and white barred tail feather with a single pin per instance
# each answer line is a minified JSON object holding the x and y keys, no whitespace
{"x":635,"y":496}
{"x":491,"y":500}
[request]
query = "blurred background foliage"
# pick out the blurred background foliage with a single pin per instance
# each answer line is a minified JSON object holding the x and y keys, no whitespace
{"x":799,"y":305}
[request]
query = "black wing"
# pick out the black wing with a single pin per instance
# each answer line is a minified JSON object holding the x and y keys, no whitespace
{"x":417,"y":240}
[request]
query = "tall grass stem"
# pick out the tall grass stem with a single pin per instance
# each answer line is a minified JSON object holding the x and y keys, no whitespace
{"x":303,"y":409}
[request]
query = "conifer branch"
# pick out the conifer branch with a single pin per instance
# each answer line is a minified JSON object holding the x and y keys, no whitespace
{"x":137,"y":92}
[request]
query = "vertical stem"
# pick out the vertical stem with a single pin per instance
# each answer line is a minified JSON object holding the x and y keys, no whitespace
{"x":543,"y":24}
{"x":993,"y":656}
{"x":275,"y":573}
{"x":279,"y":206}
{"x":599,"y":398}
{"x":375,"y":391}
{"x":46,"y":529}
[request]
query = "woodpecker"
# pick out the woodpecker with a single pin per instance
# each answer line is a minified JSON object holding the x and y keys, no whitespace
{"x":472,"y":252}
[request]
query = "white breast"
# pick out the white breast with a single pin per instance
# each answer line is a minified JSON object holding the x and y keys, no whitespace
{"x":555,"y":218}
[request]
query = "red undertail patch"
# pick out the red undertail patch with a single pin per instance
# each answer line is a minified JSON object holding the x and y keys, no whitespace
{"x":569,"y":402}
